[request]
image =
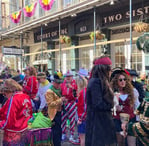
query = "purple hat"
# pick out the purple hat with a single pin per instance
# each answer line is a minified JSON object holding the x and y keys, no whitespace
{"x":68,"y":73}
{"x":83,"y":72}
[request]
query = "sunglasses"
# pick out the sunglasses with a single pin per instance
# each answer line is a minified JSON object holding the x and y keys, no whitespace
{"x":123,"y":79}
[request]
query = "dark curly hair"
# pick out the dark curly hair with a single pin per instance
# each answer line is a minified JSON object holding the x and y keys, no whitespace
{"x":102,"y":72}
{"x":128,"y":89}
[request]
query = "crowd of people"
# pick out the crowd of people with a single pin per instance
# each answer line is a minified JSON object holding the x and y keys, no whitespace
{"x":94,"y":101}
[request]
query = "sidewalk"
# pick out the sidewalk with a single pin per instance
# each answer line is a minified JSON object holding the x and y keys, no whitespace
{"x":66,"y":142}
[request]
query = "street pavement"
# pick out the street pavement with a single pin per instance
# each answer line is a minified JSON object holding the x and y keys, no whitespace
{"x":66,"y":142}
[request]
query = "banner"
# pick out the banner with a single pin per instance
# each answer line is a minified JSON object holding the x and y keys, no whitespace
{"x":15,"y":17}
{"x":46,"y":4}
{"x":29,"y":10}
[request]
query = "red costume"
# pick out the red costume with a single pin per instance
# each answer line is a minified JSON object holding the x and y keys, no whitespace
{"x":30,"y":86}
{"x":14,"y":116}
{"x":126,"y":109}
{"x":16,"y":112}
{"x":68,"y":92}
{"x":82,"y":105}
{"x":70,"y":107}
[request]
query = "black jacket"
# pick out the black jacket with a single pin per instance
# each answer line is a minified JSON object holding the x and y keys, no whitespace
{"x":100,"y":128}
{"x":3,"y":99}
{"x":139,"y":88}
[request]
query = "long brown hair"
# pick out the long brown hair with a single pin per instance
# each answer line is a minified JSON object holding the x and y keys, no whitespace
{"x":11,"y":86}
{"x":102,"y":72}
{"x":128,"y":89}
{"x":32,"y":71}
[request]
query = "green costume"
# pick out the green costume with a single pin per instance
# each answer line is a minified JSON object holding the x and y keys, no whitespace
{"x":141,"y":128}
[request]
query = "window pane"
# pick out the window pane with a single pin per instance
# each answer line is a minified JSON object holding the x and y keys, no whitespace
{"x":136,"y":58}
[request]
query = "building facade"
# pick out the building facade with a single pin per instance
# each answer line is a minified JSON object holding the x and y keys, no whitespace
{"x":77,"y":19}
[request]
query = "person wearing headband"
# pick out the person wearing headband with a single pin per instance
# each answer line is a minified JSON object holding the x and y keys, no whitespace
{"x":44,"y":85}
{"x":100,"y":128}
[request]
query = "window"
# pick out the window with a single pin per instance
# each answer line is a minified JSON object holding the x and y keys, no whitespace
{"x":119,"y":55}
{"x":67,"y":3}
{"x":136,"y":58}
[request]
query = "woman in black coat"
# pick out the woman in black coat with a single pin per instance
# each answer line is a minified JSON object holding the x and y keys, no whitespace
{"x":100,"y":129}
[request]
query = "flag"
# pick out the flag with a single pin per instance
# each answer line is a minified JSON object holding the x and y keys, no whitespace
{"x":29,"y":10}
{"x":15,"y":17}
{"x":46,"y":4}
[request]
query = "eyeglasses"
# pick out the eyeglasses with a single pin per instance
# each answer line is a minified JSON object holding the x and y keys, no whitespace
{"x":123,"y":79}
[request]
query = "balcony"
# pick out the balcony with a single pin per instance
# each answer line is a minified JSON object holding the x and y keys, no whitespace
{"x":58,"y":5}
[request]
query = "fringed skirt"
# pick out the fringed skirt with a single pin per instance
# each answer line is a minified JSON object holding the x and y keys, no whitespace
{"x":33,"y":137}
{"x":14,"y":138}
{"x":39,"y":137}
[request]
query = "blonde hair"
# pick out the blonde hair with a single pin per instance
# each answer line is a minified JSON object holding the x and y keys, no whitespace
{"x":81,"y":83}
{"x":11,"y":85}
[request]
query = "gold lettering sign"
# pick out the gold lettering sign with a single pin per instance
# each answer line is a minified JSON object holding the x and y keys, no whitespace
{"x":119,"y":16}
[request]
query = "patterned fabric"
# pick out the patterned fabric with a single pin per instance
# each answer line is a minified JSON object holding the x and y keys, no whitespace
{"x":69,"y":113}
{"x":141,"y":129}
{"x":16,"y":112}
{"x":70,"y":108}
{"x":14,"y":138}
{"x":39,"y":137}
{"x":56,"y":91}
{"x":54,"y":102}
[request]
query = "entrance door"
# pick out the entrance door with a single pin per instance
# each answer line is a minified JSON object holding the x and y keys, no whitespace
{"x":40,"y":66}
